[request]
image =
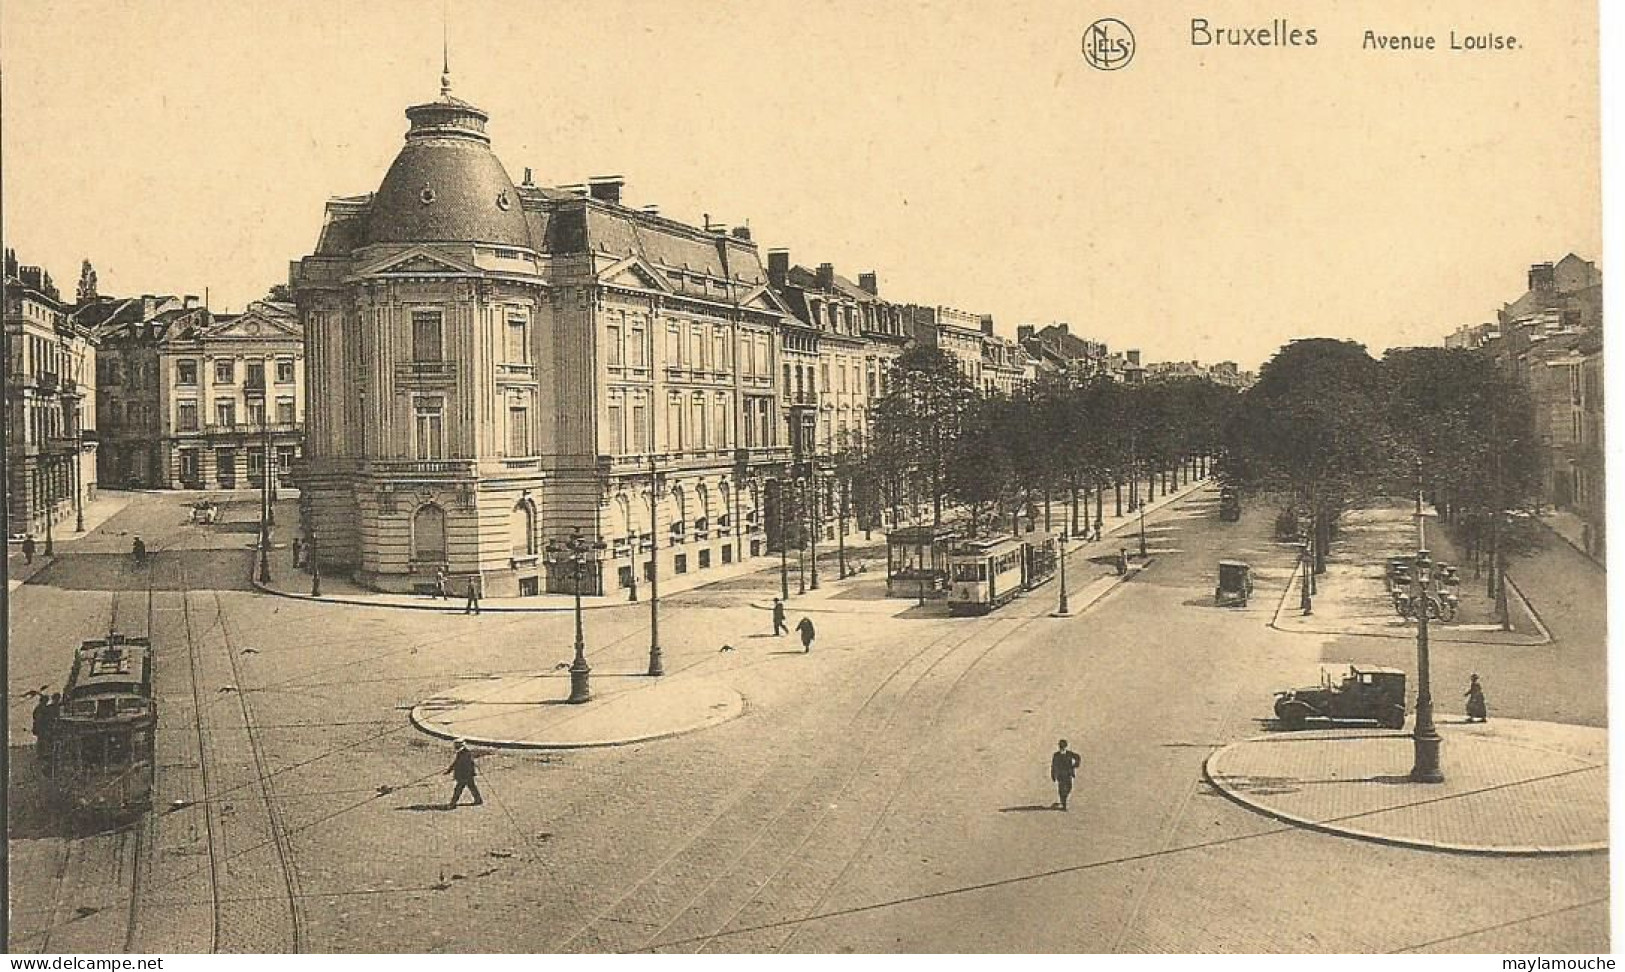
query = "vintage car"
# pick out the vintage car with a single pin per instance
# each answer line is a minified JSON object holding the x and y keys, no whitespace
{"x":1235,"y":584}
{"x":1367,"y":693}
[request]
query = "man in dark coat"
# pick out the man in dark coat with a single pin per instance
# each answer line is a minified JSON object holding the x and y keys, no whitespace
{"x":805,"y":627}
{"x":779,"y":627}
{"x":473,"y":605}
{"x":42,"y":724}
{"x":28,"y":549}
{"x":1063,"y":769}
{"x":462,"y":770}
{"x":1477,"y":710}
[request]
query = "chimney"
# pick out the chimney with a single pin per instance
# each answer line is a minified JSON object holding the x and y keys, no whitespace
{"x":987,"y":324}
{"x":869,"y":282}
{"x":826,"y":275}
{"x":1024,"y":332}
{"x":778,"y":267}
{"x":606,"y":188}
{"x":1133,"y":358}
{"x":741,"y":233}
{"x":527,"y":181}
{"x":1542,"y":278}
{"x":189,"y":301}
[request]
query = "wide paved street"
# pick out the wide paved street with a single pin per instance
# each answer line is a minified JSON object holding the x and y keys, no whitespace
{"x":887,"y":792}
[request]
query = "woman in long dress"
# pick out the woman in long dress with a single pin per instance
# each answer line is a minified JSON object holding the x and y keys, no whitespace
{"x":1476,"y":710}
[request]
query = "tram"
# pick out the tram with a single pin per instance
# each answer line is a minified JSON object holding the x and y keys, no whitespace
{"x":99,"y":743}
{"x":989,"y":573}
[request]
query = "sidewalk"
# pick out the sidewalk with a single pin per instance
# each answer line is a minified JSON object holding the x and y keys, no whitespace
{"x":98,"y":511}
{"x":1511,"y":787}
{"x":1571,"y":529}
{"x":1352,"y":596}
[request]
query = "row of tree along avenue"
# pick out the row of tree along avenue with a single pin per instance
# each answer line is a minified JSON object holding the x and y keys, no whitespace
{"x":1328,"y":428}
{"x":1052,"y":455}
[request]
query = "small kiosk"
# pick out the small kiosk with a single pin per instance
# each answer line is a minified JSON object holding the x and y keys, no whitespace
{"x":917,"y":560}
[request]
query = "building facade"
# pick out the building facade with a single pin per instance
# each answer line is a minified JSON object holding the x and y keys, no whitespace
{"x":50,"y":405}
{"x":493,"y":367}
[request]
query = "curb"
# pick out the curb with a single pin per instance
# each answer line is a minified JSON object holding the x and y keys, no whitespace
{"x":1595,"y":561}
{"x":1209,"y":773}
{"x":534,"y":746}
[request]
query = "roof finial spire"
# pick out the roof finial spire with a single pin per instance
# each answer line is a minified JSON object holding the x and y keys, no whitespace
{"x":445,"y":51}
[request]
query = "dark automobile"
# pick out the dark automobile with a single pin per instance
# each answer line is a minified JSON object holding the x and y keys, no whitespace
{"x":1363,"y":693}
{"x":1229,"y":504}
{"x":1235,"y":584}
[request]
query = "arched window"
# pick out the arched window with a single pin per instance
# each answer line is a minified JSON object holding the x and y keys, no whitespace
{"x":429,"y":535}
{"x":522,"y":529}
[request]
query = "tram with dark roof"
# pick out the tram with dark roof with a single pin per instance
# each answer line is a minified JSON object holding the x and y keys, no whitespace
{"x":99,"y":743}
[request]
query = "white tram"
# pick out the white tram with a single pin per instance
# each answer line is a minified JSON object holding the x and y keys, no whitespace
{"x":985,"y":574}
{"x":99,"y":743}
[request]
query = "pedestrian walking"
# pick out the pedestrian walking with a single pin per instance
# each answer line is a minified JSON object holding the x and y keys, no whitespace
{"x":298,"y":548}
{"x":442,"y":583}
{"x":1063,"y":769}
{"x":805,"y":627}
{"x":42,"y":724}
{"x":1477,"y":711}
{"x":139,"y":551}
{"x":462,"y":772}
{"x":779,"y":627}
{"x":473,"y":605}
{"x":28,"y":549}
{"x":1122,"y":561}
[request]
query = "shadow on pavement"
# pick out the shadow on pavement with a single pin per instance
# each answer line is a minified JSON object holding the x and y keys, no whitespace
{"x":1031,"y":808}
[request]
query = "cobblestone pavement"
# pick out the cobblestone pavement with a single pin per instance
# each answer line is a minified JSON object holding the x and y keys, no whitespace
{"x":1511,"y":787}
{"x":887,"y":793}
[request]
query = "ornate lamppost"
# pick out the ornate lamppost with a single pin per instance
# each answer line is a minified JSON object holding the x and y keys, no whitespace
{"x":1305,"y":569}
{"x":577,"y":552}
{"x":1425,"y":768}
{"x":656,"y":662}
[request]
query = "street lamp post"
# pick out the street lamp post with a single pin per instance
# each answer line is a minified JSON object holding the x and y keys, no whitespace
{"x":656,"y":662}
{"x":1304,"y":572}
{"x":817,"y":519}
{"x":1062,"y":609}
{"x":784,"y":544}
{"x":801,"y":543}
{"x":265,"y":497}
{"x":1425,"y":768}
{"x":577,"y":551}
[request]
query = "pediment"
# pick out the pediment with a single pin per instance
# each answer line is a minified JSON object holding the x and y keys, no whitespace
{"x":252,"y":326}
{"x":416,"y":262}
{"x":635,"y":274}
{"x":765,"y":300}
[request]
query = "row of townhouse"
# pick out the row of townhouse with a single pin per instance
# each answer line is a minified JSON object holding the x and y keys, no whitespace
{"x":1551,"y":339}
{"x":50,"y":433}
{"x":495,"y":367}
{"x":194,"y":399}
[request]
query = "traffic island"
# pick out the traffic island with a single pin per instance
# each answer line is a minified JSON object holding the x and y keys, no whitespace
{"x":1511,"y":787}
{"x":533,"y":711}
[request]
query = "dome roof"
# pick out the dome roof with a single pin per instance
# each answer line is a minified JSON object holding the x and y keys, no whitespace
{"x":446,"y":185}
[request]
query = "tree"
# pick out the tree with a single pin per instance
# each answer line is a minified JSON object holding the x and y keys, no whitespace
{"x":920,"y":418}
{"x":86,"y":292}
{"x":280,"y":294}
{"x":1312,"y":429}
{"x":986,"y":460}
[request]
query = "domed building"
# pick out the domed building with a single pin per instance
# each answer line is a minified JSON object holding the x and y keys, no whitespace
{"x":492,"y":366}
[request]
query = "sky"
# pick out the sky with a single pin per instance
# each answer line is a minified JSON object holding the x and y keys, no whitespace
{"x":1199,"y":203}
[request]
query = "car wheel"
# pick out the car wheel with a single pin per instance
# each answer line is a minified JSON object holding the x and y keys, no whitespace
{"x":1291,"y":714}
{"x":1394,"y":718}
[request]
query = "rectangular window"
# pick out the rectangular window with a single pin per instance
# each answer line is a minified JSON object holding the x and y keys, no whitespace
{"x":186,"y":417}
{"x":224,"y":372}
{"x":518,"y":430}
{"x":225,"y":413}
{"x":674,"y":423}
{"x":720,"y":340}
{"x":256,"y":412}
{"x":702,"y":434}
{"x":823,"y":376}
{"x":426,"y":336}
{"x":429,"y":431}
{"x":719,"y":422}
{"x":284,"y":371}
{"x":256,"y":463}
{"x":702,"y":356}
{"x":225,"y":467}
{"x":617,"y":434}
{"x":285,"y":457}
{"x":186,"y":372}
{"x":284,"y":411}
{"x":613,"y":345}
{"x":750,"y":423}
{"x":188,"y":465}
{"x":254,"y":378}
{"x":518,"y":348}
{"x":637,"y":349}
{"x":640,"y":428}
{"x":674,"y":346}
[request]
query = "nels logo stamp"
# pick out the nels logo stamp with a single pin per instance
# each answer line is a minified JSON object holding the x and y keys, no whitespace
{"x":1108,"y":44}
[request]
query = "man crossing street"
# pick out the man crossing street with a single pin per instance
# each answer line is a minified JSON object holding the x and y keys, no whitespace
{"x":779,"y":627}
{"x":1063,"y":769}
